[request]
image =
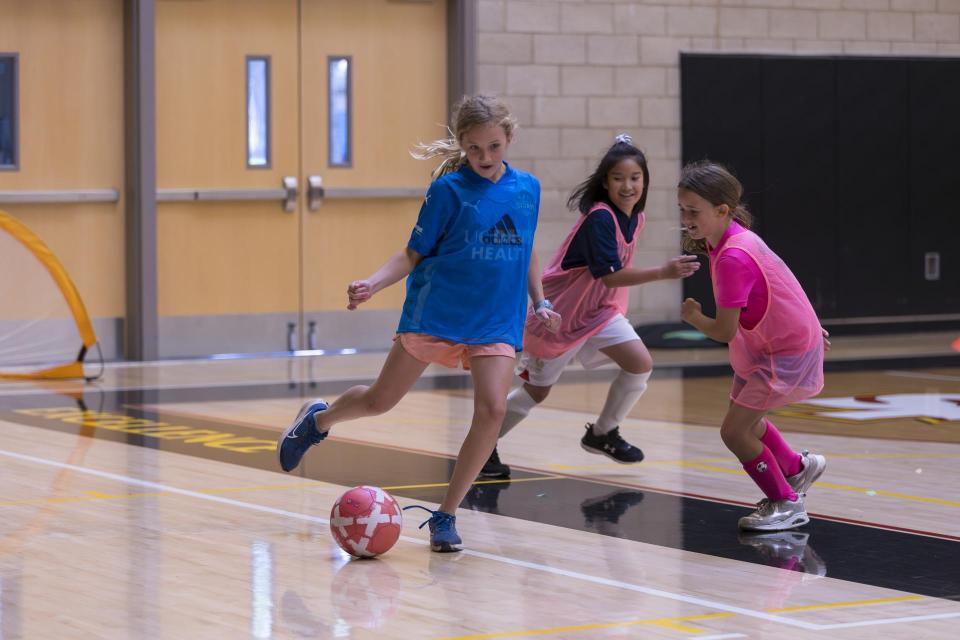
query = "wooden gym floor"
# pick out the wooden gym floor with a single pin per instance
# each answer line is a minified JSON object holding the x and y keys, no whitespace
{"x":149,"y":505}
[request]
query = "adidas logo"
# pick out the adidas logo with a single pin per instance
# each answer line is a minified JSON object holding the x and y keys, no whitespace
{"x":504,"y":232}
{"x":502,"y":242}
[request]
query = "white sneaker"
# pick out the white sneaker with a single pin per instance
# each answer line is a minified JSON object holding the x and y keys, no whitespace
{"x":776,"y":515}
{"x":813,"y":467}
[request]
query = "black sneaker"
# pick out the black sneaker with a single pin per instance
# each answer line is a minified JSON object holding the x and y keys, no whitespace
{"x":493,"y":468}
{"x":611,"y":445}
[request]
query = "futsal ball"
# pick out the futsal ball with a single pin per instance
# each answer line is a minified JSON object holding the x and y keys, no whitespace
{"x":366,"y":521}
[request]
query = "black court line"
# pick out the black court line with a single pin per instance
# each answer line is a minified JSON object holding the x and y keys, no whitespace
{"x":862,"y":554}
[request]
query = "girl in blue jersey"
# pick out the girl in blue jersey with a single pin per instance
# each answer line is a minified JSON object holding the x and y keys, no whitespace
{"x":470,"y":265}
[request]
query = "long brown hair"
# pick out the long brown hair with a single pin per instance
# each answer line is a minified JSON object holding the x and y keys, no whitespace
{"x":715,"y":184}
{"x":469,"y":112}
{"x":592,"y":190}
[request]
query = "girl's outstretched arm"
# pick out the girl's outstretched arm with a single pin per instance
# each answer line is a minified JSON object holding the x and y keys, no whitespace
{"x":545,"y":313}
{"x":534,"y":285}
{"x":679,"y":267}
{"x":397,"y":267}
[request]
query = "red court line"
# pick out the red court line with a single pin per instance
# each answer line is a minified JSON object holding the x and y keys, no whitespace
{"x":699,"y":496}
{"x":627,"y":485}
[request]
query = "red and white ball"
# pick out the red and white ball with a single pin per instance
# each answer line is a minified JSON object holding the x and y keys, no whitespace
{"x":366,"y":521}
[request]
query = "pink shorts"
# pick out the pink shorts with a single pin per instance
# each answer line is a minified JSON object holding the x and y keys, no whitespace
{"x":430,"y":349}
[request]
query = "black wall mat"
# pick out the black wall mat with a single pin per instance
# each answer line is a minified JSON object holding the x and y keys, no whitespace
{"x":848,"y":163}
{"x":799,"y":171}
{"x":872,"y":224}
{"x":933,"y":173}
{"x":720,"y":108}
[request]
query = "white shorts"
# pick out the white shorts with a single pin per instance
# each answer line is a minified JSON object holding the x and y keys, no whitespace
{"x":545,"y":372}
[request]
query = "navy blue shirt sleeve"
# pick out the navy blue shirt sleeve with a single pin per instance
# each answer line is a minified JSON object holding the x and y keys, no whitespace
{"x":601,"y":249}
{"x":439,"y":206}
{"x":594,"y":246}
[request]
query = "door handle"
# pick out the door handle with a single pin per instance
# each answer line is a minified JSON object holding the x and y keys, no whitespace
{"x":290,"y":186}
{"x":315,"y":192}
{"x":287,"y":194}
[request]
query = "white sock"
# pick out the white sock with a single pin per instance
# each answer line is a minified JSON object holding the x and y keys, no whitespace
{"x":624,"y":392}
{"x":519,"y":404}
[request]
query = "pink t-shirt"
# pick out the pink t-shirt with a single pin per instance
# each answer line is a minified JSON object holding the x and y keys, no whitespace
{"x":739,"y":283}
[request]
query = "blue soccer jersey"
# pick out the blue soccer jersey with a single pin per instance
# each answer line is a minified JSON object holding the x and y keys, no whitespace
{"x":476,"y":237}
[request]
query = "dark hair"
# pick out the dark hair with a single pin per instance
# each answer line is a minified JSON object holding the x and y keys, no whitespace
{"x":592,"y":190}
{"x":715,"y":184}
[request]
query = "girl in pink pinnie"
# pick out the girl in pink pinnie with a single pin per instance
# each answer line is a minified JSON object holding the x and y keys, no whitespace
{"x":776,"y":341}
{"x":588,"y":282}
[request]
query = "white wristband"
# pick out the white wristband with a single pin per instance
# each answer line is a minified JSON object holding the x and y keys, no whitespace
{"x":543,"y":304}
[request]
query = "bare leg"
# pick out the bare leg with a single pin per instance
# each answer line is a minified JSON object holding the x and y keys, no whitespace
{"x":492,"y":376}
{"x":631,"y":356}
{"x":741,"y":431}
{"x":783,"y":507}
{"x":400,"y":372}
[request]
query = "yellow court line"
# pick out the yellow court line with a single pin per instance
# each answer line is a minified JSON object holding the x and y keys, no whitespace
{"x":267,"y":487}
{"x":674,"y":623}
{"x":887,"y":494}
{"x":702,"y":461}
{"x":669,"y":623}
{"x":895,"y":456}
{"x":96,"y":495}
{"x":391,"y":488}
{"x":855,"y":603}
{"x":93,"y":495}
{"x":828,"y":485}
{"x":833,"y":456}
{"x":444,"y":484}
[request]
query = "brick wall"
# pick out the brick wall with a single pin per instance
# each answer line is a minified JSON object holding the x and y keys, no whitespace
{"x":577,"y":72}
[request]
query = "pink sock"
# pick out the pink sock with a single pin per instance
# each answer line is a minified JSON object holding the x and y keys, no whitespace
{"x":769,"y":477}
{"x":789,"y":460}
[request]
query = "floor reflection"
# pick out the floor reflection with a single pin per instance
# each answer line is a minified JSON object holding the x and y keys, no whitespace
{"x":299,"y":620}
{"x":365,"y":593}
{"x":485,"y":497}
{"x":790,"y":550}
{"x":603,"y":513}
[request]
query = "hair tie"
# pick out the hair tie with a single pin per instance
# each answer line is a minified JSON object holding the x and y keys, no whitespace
{"x":624,"y":138}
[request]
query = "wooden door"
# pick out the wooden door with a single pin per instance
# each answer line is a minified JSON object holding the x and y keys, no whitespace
{"x":394,"y":54}
{"x":228,"y":249}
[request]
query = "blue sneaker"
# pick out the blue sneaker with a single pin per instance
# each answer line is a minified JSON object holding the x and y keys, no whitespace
{"x":443,"y":530}
{"x":300,"y":436}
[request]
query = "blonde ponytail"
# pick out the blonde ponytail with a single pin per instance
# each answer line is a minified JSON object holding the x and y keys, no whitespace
{"x":469,"y":112}
{"x":453,"y":157}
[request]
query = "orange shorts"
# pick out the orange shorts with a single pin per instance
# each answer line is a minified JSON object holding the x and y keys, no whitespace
{"x":430,"y":349}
